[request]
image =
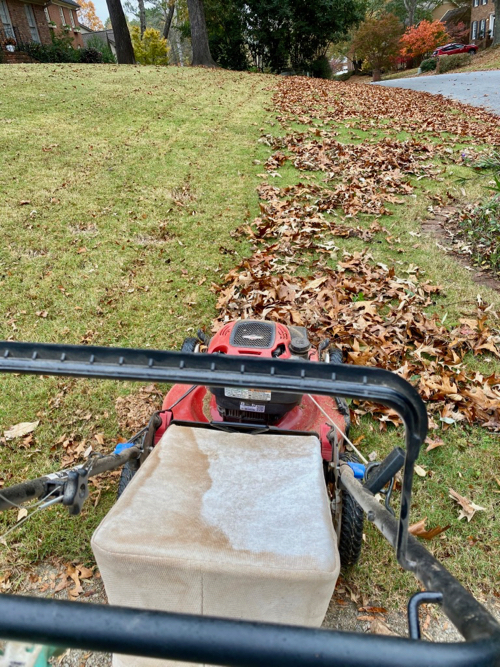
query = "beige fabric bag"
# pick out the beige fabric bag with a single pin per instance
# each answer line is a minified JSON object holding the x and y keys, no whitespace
{"x":222,"y":524}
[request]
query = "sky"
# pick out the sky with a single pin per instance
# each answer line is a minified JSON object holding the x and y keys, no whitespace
{"x":101,"y":9}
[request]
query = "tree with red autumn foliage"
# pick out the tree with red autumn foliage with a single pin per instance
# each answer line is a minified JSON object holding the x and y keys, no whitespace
{"x":377,"y":42}
{"x":423,"y":38}
{"x":87,"y":15}
{"x":458,"y":32}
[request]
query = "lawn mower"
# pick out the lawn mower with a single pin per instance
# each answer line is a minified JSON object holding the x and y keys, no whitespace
{"x":237,"y":504}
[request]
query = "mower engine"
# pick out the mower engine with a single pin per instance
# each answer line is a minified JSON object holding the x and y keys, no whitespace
{"x":262,"y":339}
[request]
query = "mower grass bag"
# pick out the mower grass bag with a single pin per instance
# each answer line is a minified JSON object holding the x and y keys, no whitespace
{"x":223,"y":524}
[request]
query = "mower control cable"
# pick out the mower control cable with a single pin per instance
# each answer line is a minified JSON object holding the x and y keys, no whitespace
{"x":349,"y":442}
{"x":57,"y":485}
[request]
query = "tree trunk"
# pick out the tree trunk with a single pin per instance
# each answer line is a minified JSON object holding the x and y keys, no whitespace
{"x":377,"y":75}
{"x":496,"y":27}
{"x":142,"y":16}
{"x":199,"y":35}
{"x":168,"y":19}
{"x":410,"y":6}
{"x":124,"y":48}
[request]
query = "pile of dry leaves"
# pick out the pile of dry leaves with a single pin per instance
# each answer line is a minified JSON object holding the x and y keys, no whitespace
{"x":308,"y":100}
{"x":375,"y":314}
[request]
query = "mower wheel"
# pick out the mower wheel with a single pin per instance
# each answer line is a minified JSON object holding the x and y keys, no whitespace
{"x":336,"y":356}
{"x":125,"y":477}
{"x":351,"y":524}
{"x":190,"y":345}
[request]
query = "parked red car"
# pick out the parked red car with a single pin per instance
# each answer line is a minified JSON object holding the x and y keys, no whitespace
{"x":451,"y":49}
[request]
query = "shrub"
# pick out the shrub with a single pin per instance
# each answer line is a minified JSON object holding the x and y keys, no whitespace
{"x":447,"y":63}
{"x":481,"y":227}
{"x":343,"y":76}
{"x":428,"y":65}
{"x":151,"y":48}
{"x":103,"y":48}
{"x":90,"y":55}
{"x":51,"y":53}
{"x":320,"y":68}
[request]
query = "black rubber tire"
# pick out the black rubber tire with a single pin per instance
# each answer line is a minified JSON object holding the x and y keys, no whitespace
{"x":336,"y":356}
{"x":190,"y":344}
{"x":473,"y":52}
{"x":125,"y":477}
{"x":351,"y":524}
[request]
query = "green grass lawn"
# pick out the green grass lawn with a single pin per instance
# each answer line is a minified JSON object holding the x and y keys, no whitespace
{"x":120,"y":192}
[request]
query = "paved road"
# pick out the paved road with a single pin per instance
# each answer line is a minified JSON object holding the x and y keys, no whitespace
{"x":481,"y":89}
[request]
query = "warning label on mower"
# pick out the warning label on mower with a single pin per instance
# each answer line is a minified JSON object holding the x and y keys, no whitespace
{"x":249,"y":394}
{"x":251,"y":407}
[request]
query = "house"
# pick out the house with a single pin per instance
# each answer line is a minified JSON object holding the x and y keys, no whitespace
{"x":482,"y":21}
{"x":455,"y":18}
{"x":441,"y":9}
{"x":37,"y":20}
{"x":105,"y":36}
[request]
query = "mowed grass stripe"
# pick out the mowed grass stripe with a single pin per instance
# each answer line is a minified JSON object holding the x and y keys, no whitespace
{"x":135,"y":178}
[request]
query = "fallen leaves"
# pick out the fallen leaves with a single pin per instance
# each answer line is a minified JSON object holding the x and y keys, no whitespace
{"x":468,"y":508}
{"x":376,"y":314}
{"x":306,"y":100}
{"x":376,"y":317}
{"x":22,"y":514}
{"x":20,"y":430}
{"x":73,"y":574}
{"x":75,"y":448}
{"x":419,"y":530}
{"x":433,"y":444}
{"x":134,"y":411}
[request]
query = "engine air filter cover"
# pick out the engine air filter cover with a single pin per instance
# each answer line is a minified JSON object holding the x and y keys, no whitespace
{"x":250,"y":333}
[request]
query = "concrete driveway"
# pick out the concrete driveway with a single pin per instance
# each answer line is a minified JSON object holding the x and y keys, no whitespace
{"x":481,"y":89}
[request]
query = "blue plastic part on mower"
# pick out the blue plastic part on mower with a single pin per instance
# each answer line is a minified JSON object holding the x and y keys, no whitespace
{"x":358,"y":469}
{"x":122,"y":446}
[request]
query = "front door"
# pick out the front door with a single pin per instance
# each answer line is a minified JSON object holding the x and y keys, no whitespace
{"x":30,"y":15}
{"x":5,"y":19}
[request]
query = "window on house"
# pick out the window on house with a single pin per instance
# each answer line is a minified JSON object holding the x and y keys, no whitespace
{"x":473,"y":32}
{"x":30,"y":15}
{"x":492,"y":25}
{"x":484,"y":2}
{"x":63,"y":20}
{"x":71,"y":18}
{"x":476,"y":3}
{"x":482,"y":28}
{"x":47,"y":15}
{"x":5,"y":19}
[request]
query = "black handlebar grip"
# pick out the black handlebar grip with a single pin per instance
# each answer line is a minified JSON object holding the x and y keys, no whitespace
{"x":386,"y":470}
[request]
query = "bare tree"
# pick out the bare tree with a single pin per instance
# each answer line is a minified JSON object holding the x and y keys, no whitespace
{"x":199,"y":35}
{"x":168,"y":18}
{"x":411,"y":7}
{"x":142,"y":16}
{"x":124,"y":48}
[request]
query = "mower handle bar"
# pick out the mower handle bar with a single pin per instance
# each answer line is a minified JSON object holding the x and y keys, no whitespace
{"x":224,"y":642}
{"x":288,"y":375}
{"x":238,"y":643}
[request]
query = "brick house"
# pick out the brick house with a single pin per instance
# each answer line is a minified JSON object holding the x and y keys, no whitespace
{"x":34,"y":20}
{"x":482,"y":26}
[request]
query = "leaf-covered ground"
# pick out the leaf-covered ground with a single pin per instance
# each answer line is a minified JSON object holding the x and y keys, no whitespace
{"x":142,"y":227}
{"x":338,"y":248}
{"x":375,"y":313}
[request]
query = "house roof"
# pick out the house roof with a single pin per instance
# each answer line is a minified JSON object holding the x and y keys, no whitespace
{"x":65,"y":3}
{"x":104,"y":35}
{"x":454,"y":16}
